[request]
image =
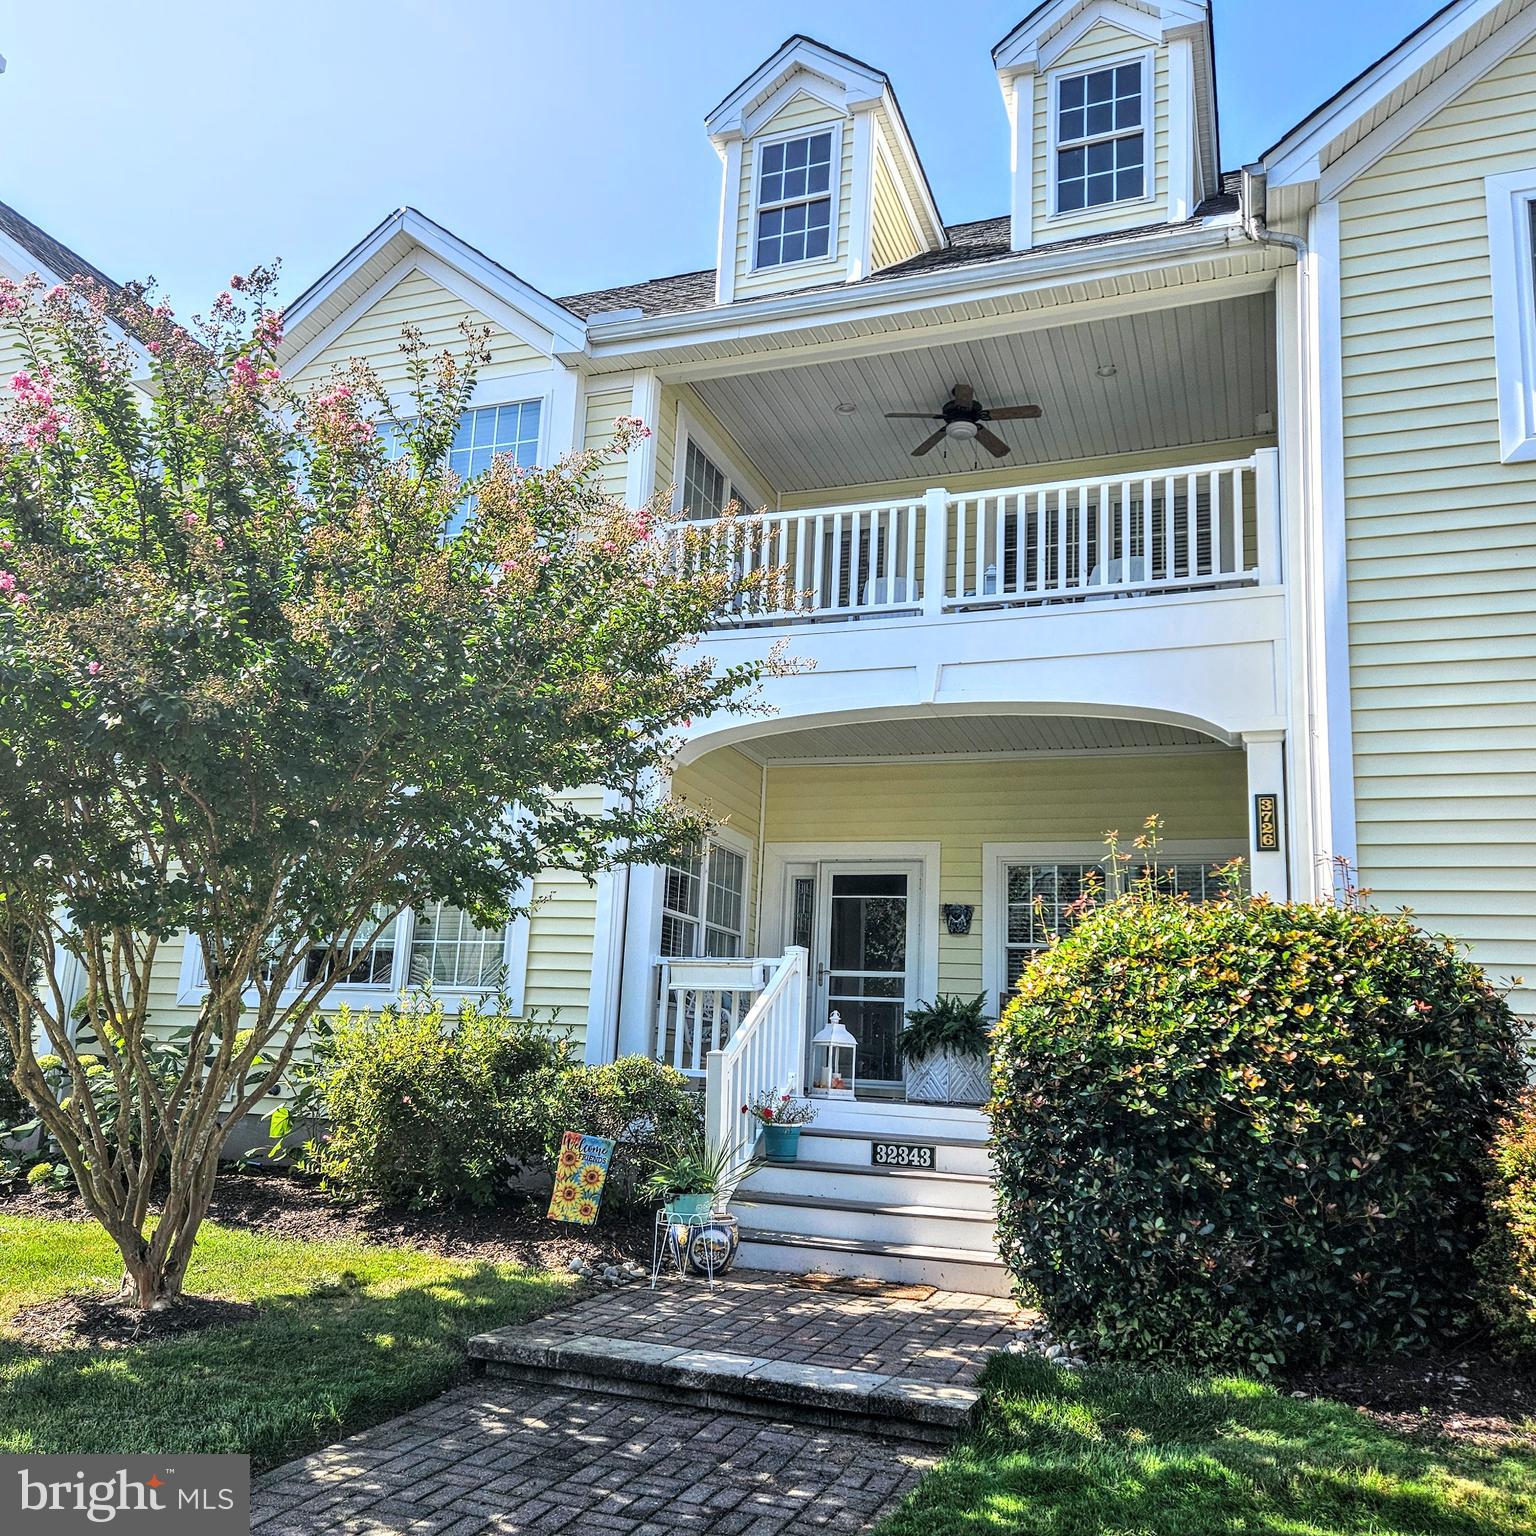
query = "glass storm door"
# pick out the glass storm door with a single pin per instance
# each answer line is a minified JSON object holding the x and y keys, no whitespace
{"x":863,"y":962}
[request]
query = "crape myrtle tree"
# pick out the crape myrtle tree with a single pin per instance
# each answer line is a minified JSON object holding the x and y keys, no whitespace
{"x":269,"y":679}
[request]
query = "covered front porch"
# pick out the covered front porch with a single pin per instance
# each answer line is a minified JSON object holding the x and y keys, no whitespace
{"x":866,"y":866}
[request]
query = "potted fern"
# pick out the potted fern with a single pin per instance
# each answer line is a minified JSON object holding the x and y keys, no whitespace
{"x":946,"y":1049}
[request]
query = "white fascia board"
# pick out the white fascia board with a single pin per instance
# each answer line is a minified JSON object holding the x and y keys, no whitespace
{"x":899,"y":143}
{"x":1031,"y":269}
{"x":1384,"y":138}
{"x":1298,"y":156}
{"x":1072,"y":18}
{"x":505,"y":291}
{"x":860,"y":85}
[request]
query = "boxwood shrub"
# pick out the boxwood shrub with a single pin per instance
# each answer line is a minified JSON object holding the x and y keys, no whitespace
{"x":1248,"y":1132}
{"x":1508,"y":1258}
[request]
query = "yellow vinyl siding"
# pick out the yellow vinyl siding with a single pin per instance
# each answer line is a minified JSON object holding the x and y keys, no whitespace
{"x":963,"y":804}
{"x":802,"y":114}
{"x":892,"y":238}
{"x":602,"y":410}
{"x":666,"y":437}
{"x":1102,"y":42}
{"x":727,"y":786}
{"x":673,"y":396}
{"x":416,"y":299}
{"x":1441,"y":539}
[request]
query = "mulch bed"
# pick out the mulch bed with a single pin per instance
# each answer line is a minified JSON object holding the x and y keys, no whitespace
{"x":1465,"y":1395}
{"x":93,"y":1322}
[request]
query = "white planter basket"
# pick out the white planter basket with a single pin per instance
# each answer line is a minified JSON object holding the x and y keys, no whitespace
{"x":948,"y":1078}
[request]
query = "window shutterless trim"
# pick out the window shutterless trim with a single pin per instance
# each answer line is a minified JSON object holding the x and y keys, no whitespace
{"x":756,"y":205}
{"x":1146,"y":60}
{"x":1512,"y":266}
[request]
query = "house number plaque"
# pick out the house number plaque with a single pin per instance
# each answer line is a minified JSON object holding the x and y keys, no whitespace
{"x":900,"y":1154}
{"x":1266,"y":823}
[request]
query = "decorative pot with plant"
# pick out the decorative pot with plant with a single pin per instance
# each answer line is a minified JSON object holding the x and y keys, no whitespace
{"x":946,"y":1048}
{"x":781,"y":1115}
{"x":694,"y":1179}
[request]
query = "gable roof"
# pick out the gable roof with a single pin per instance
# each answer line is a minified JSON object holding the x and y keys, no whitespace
{"x":1456,"y":40}
{"x":54,"y":258}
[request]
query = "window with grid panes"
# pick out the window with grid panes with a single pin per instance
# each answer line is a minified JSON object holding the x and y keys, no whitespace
{"x":448,"y":950}
{"x":1100,"y":138}
{"x":376,"y":968}
{"x":1041,"y":900}
{"x":703,"y":905}
{"x":707,"y":490}
{"x":794,"y":200}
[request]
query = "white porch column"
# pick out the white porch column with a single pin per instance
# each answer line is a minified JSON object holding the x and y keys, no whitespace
{"x":642,"y":940}
{"x":1267,"y":867}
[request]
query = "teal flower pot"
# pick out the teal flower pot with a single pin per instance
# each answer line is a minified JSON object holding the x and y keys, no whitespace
{"x":781,"y":1143}
{"x":681,"y":1207}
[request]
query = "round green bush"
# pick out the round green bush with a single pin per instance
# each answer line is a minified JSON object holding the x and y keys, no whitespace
{"x":1248,"y":1132}
{"x":1508,"y":1258}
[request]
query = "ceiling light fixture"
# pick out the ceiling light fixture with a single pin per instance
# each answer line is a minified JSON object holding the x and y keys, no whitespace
{"x":1106,"y":370}
{"x":845,"y":409}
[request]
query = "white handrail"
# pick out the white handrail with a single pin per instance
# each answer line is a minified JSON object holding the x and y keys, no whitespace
{"x":764,"y":1051}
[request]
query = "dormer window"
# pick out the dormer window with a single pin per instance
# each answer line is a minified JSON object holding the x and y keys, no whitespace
{"x":1100,"y":137}
{"x":794,"y":199}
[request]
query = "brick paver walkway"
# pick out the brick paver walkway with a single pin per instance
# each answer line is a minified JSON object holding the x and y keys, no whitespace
{"x":946,"y":1338}
{"x":501,"y":1458}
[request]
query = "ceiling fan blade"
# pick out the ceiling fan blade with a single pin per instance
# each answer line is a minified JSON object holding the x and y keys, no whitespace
{"x":912,"y":416}
{"x":992,"y":442}
{"x":963,"y":394}
{"x":933,"y":442}
{"x":1012,"y":413}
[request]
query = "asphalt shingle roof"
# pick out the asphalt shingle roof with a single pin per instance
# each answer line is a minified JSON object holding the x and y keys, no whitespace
{"x":51,"y":255}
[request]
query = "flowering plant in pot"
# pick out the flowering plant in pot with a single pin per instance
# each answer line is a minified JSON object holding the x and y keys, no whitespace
{"x":692,"y":1178}
{"x":781,"y":1115}
{"x":946,"y":1047}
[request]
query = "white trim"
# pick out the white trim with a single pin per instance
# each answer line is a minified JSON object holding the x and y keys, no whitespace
{"x":1511,"y":201}
{"x":996,"y":856}
{"x":1023,"y":755}
{"x":545,"y":385}
{"x":1019,"y":102}
{"x":690,"y":427}
{"x":1385,"y":137}
{"x":928,"y":855}
{"x":858,"y":84}
{"x":640,"y":467}
{"x":730,"y":201}
{"x":1147,"y":60}
{"x":834,"y":127}
{"x":861,"y":202}
{"x":190,"y":988}
{"x":1298,"y":156}
{"x":1183,"y":148}
{"x":1053,"y":22}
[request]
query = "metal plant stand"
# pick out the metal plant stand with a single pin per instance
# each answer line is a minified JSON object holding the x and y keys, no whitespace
{"x":685,"y":1242}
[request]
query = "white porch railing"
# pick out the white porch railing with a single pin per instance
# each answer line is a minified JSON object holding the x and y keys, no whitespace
{"x":1193,"y":527}
{"x":698,"y":1003}
{"x":764,"y":1051}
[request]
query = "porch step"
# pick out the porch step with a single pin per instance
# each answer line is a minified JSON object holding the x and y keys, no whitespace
{"x":950,"y":1269}
{"x":815,"y":1215}
{"x":839,"y":1182}
{"x":851,"y":1148}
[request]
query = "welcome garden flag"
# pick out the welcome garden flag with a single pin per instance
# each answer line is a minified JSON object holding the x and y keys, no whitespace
{"x":581,"y":1171}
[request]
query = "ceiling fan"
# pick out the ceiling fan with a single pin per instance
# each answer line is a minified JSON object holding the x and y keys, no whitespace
{"x":964,"y":420}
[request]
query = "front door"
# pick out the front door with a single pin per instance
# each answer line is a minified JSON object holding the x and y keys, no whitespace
{"x":864,"y":959}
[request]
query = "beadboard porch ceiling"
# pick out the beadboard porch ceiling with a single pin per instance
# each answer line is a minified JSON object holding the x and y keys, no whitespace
{"x":1185,"y":376}
{"x":956,"y":736}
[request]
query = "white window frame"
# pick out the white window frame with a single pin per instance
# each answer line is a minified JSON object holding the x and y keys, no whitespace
{"x":690,"y":427}
{"x":834,"y":195}
{"x":511,"y":389}
{"x":732,"y":842}
{"x":1145,"y":58}
{"x":1511,"y":197}
{"x":193,"y":985}
{"x":996,"y":857}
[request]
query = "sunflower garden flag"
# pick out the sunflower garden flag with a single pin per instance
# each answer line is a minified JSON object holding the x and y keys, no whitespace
{"x":581,"y":1171}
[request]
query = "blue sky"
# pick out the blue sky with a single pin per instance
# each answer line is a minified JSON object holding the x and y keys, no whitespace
{"x":193,"y":138}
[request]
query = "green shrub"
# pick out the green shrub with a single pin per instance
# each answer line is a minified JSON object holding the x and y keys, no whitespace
{"x":642,"y":1105}
{"x":1248,"y":1132}
{"x":423,"y":1108}
{"x":1508,"y":1258}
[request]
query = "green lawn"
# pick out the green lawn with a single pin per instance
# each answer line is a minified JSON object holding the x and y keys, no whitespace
{"x":347,"y":1334}
{"x":1117,"y":1453}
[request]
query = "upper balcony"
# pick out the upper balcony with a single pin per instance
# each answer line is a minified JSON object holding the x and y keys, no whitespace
{"x":1184,"y":529}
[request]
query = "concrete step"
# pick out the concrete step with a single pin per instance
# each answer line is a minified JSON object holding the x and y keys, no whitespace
{"x":853,"y":1148}
{"x":944,"y":1266}
{"x":895,"y":1117}
{"x":891,"y":1406}
{"x":814,"y":1215}
{"x":836,"y":1182}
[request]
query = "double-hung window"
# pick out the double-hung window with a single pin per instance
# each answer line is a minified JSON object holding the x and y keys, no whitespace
{"x":1101,"y":142}
{"x":483,"y":432}
{"x":704,"y":905}
{"x":794,"y":199}
{"x":1512,"y":252}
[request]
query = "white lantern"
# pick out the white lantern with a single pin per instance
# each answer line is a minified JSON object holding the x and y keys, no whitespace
{"x":833,"y":1052}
